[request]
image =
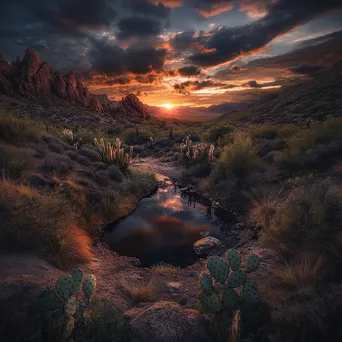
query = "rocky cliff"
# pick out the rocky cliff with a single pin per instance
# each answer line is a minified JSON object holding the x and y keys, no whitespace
{"x":31,"y":78}
{"x":131,"y":106}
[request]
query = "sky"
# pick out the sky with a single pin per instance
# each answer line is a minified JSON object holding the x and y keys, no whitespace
{"x":178,"y":52}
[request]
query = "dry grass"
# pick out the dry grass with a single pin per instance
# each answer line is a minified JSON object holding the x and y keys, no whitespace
{"x":263,"y":209}
{"x":164,"y":267}
{"x":303,"y":273}
{"x":43,"y":223}
{"x":138,"y":293}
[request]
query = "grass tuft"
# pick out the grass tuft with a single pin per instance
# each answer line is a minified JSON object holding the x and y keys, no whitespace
{"x":164,"y":267}
{"x":138,"y":293}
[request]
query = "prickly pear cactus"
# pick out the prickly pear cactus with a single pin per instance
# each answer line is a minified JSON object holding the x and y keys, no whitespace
{"x":229,"y":277}
{"x":89,"y":286}
{"x":76,"y":281}
{"x":66,"y":308}
{"x":252,"y":263}
{"x":63,"y":286}
{"x":234,"y":259}
{"x":218,"y":268}
{"x":70,"y":306}
{"x":249,"y":295}
{"x":206,"y":283}
{"x":237,"y":278}
{"x":230,"y":299}
{"x":210,"y":302}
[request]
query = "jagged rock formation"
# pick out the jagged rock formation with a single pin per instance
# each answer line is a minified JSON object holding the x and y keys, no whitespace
{"x":32,"y":78}
{"x":131,"y":106}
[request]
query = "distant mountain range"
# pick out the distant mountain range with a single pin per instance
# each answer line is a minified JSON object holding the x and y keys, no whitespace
{"x":195,"y":113}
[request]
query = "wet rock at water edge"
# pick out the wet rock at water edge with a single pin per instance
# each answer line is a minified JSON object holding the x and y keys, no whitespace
{"x":208,"y":246}
{"x":167,"y":322}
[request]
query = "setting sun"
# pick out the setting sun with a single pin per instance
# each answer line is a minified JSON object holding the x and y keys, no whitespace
{"x":167,"y":106}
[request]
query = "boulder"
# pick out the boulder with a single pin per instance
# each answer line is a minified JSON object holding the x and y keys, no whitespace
{"x":208,"y":246}
{"x":167,"y":322}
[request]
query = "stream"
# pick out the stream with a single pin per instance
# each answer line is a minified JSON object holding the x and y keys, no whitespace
{"x":164,"y":226}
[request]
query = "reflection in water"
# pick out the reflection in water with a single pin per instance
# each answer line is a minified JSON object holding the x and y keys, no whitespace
{"x":164,"y":227}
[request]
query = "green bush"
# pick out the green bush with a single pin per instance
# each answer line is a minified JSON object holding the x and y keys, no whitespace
{"x":308,"y":220}
{"x":238,"y":159}
{"x":16,"y":130}
{"x":142,"y":183}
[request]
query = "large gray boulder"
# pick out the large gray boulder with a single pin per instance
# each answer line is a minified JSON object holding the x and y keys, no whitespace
{"x":167,"y":322}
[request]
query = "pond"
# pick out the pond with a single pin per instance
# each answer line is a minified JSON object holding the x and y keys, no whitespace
{"x":164,"y":227}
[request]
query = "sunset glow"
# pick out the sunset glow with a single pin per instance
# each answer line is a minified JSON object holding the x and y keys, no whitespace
{"x":168,"y":106}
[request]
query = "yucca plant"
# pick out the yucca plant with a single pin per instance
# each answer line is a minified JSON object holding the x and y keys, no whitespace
{"x":115,"y":154}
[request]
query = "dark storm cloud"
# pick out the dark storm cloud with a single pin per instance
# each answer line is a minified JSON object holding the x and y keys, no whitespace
{"x":253,"y":84}
{"x":189,"y":70}
{"x":306,"y":68}
{"x":143,"y":7}
{"x":110,"y":59}
{"x":232,"y":42}
{"x":183,"y":41}
{"x":188,"y":86}
{"x":138,"y":27}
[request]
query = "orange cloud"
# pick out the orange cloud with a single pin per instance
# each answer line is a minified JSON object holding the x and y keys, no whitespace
{"x":256,"y":9}
{"x":167,"y":3}
{"x":215,"y":10}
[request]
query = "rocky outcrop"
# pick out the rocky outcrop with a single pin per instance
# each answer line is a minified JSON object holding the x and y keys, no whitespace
{"x":208,"y":246}
{"x":167,"y":322}
{"x":131,"y":106}
{"x":32,"y":78}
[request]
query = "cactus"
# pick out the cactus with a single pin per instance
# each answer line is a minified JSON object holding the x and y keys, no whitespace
{"x":89,"y":285}
{"x":63,"y":286}
{"x":218,"y":268}
{"x":206,"y":283}
{"x":66,"y":308}
{"x":237,"y":278}
{"x":230,"y":280}
{"x":211,"y":302}
{"x":234,"y":259}
{"x":115,"y":154}
{"x":252,"y":263}
{"x":76,"y":281}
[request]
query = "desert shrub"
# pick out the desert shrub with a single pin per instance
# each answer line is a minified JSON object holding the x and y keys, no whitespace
{"x":115,"y":174}
{"x":89,"y":153}
{"x":56,"y":163}
{"x":16,"y":130}
{"x":42,"y":223}
{"x":264,"y":132}
{"x":238,"y":159}
{"x":264,"y":207}
{"x":217,"y":133}
{"x":142,"y":183}
{"x":133,"y":136}
{"x":138,"y":293}
{"x":309,"y":219}
{"x":101,"y":177}
{"x":313,"y":148}
{"x":302,"y":273}
{"x":12,"y":169}
{"x":110,"y":205}
{"x":104,"y":322}
{"x":200,"y":170}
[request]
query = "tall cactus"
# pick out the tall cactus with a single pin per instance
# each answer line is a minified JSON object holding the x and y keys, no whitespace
{"x":67,"y":310}
{"x":115,"y":153}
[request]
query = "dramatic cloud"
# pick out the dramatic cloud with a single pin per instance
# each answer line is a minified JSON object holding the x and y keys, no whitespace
{"x":230,"y":43}
{"x":189,"y":71}
{"x":138,"y":27}
{"x":113,"y":60}
{"x":143,"y":7}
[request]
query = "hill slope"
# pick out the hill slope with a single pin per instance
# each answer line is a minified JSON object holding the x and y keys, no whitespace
{"x":315,"y":98}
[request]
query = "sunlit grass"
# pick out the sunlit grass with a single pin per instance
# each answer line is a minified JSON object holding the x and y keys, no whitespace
{"x":138,"y":293}
{"x":164,"y":267}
